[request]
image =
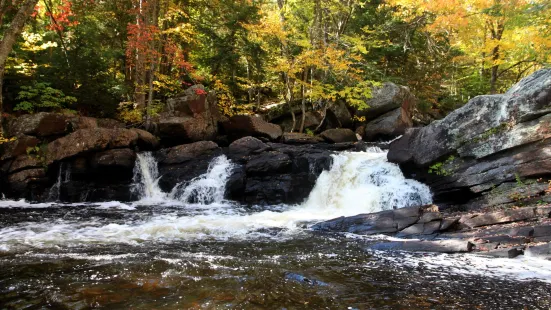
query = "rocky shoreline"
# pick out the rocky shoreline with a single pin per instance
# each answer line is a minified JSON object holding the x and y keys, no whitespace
{"x":505,"y":233}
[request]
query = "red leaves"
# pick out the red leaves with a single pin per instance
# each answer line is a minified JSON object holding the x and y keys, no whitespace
{"x":62,"y":18}
{"x":200,"y":92}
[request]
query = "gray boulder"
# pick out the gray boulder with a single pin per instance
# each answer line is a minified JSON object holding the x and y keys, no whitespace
{"x":386,"y":98}
{"x":489,"y":141}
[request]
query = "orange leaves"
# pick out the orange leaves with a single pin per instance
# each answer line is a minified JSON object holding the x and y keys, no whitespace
{"x":62,"y":17}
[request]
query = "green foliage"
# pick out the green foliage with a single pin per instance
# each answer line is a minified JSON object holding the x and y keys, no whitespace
{"x":42,"y":97}
{"x":442,"y":168}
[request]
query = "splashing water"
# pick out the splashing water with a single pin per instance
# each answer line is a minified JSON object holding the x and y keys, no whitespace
{"x":208,"y":188}
{"x":357,"y":183}
{"x":146,"y":179}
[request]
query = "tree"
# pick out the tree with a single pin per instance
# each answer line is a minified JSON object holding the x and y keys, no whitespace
{"x":495,"y":36}
{"x":10,"y":36}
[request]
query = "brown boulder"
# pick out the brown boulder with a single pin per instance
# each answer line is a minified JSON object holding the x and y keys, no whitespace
{"x":247,"y":125}
{"x":90,"y":140}
{"x":246,"y":146}
{"x":176,"y":130}
{"x":339,"y":135}
{"x":146,"y":140}
{"x":186,"y":152}
{"x":389,"y":125}
{"x":20,"y":181}
{"x":40,"y":124}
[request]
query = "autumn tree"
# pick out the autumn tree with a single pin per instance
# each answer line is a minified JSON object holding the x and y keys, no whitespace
{"x":10,"y":35}
{"x":496,"y":36}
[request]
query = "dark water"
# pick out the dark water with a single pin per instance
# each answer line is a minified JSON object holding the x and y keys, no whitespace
{"x":270,"y":271}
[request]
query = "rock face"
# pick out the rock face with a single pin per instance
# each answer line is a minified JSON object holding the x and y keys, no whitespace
{"x":490,"y":141}
{"x":239,"y":126}
{"x":98,"y":155}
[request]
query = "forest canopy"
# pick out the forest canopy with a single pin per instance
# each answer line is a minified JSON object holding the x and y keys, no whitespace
{"x":124,"y":58}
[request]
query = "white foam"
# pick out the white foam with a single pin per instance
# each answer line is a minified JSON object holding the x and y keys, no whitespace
{"x":521,"y":268}
{"x":357,"y":183}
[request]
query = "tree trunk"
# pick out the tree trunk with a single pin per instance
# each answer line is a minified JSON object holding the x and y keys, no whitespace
{"x":10,"y":36}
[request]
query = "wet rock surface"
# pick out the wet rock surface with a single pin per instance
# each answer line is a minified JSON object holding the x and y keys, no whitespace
{"x":506,"y":233}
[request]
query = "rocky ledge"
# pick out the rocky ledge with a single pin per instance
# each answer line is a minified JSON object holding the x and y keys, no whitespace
{"x":494,"y":151}
{"x":505,"y":233}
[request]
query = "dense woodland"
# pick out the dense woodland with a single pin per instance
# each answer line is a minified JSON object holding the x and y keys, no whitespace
{"x":124,"y":58}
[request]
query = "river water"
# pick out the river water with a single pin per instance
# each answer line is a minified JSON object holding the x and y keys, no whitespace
{"x":191,"y":249}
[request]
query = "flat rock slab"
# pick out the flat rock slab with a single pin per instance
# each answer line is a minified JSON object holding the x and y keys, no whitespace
{"x":500,"y":217}
{"x":439,"y":246}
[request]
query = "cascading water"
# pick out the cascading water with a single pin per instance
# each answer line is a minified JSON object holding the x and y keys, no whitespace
{"x":207,"y":188}
{"x":357,"y":183}
{"x":192,"y":249}
{"x":363,"y":183}
{"x":63,"y":176}
{"x":146,"y":179}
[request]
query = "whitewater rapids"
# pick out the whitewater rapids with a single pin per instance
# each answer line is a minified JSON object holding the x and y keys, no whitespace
{"x":357,"y":183}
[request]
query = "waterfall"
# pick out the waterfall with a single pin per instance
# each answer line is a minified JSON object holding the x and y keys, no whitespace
{"x":146,"y":178}
{"x":365,"y":182}
{"x":205,"y":189}
{"x":64,"y":176}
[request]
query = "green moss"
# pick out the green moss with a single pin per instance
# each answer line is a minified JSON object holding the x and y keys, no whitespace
{"x":440,"y":169}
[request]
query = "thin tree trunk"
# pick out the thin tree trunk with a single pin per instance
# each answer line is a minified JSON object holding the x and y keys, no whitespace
{"x":155,"y":19}
{"x":303,"y":103}
{"x":8,"y":40}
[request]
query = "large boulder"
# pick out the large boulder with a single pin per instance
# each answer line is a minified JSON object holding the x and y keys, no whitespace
{"x":386,"y":98}
{"x":489,"y":141}
{"x":40,"y":125}
{"x":190,"y":117}
{"x":174,"y":130}
{"x":339,"y":135}
{"x":186,"y":152}
{"x":90,"y":140}
{"x":239,"y":126}
{"x":244,"y":147}
{"x":338,"y":113}
{"x":388,"y":126}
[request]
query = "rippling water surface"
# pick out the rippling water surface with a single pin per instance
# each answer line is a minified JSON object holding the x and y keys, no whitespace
{"x":165,"y":252}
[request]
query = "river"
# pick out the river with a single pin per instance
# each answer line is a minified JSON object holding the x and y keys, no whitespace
{"x":192,"y":249}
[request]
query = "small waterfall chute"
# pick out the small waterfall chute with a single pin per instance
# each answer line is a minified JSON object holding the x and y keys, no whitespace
{"x":205,"y":189}
{"x":146,"y":178}
{"x":64,"y":176}
{"x":209,"y":187}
